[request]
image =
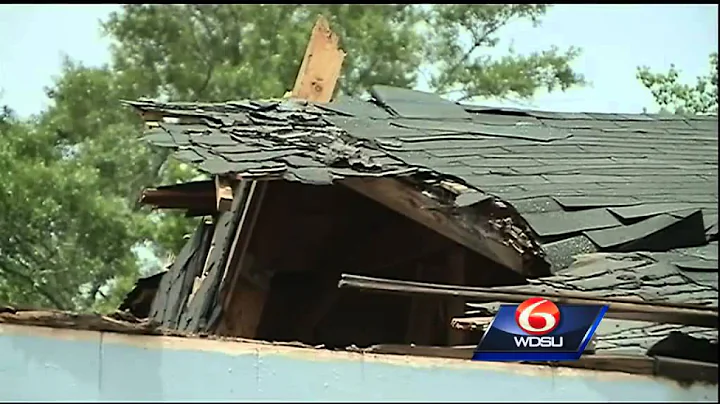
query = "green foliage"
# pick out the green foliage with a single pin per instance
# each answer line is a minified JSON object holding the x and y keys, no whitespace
{"x":465,"y":71}
{"x":683,"y":98}
{"x":71,"y":176}
{"x":65,"y":238}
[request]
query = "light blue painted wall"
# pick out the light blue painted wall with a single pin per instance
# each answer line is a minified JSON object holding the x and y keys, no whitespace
{"x":50,"y":365}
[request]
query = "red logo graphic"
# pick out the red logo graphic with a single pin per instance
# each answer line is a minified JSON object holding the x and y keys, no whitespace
{"x":537,"y":316}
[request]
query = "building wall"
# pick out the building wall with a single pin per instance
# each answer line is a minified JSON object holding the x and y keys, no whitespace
{"x":66,"y":365}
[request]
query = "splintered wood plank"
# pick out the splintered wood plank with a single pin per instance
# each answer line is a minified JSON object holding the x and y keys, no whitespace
{"x":321,"y":66}
{"x":414,"y":205}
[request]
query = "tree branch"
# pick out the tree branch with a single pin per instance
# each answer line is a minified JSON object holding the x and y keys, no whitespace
{"x":478,"y":40}
{"x":207,"y":59}
{"x":38,"y":288}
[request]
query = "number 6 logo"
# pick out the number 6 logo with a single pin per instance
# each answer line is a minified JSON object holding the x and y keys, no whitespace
{"x":537,"y":316}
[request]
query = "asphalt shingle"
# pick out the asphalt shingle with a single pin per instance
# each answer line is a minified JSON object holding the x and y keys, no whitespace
{"x":578,"y":179}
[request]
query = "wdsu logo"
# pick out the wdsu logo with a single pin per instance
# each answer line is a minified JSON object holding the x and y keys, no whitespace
{"x":539,"y":330}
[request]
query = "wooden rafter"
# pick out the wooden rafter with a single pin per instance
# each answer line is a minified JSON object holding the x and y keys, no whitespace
{"x":409,"y":202}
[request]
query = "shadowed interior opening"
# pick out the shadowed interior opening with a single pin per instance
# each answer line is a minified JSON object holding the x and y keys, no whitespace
{"x":307,"y":236}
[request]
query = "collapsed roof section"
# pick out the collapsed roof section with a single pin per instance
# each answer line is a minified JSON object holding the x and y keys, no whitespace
{"x":580,"y":182}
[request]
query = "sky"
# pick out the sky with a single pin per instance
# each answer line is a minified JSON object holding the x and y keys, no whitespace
{"x":615,"y":40}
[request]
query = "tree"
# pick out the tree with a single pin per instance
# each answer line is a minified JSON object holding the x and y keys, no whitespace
{"x":680,"y":98}
{"x":57,"y":252}
{"x":215,"y":53}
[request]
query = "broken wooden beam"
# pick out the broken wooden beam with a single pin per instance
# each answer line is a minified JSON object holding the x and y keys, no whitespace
{"x":190,"y":195}
{"x":321,"y":66}
{"x":627,"y":308}
{"x":411,"y":203}
{"x":199,"y":197}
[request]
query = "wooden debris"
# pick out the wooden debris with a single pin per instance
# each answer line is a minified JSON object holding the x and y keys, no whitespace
{"x":662,"y":313}
{"x":321,"y":66}
{"x":470,"y":323}
{"x":455,"y":352}
{"x":120,"y":322}
{"x":195,"y":196}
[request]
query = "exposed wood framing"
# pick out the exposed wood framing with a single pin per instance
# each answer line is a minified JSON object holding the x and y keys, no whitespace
{"x":317,"y":312}
{"x":237,"y":266}
{"x":201,"y":198}
{"x":321,"y":66}
{"x":241,"y":301}
{"x":661,"y":313}
{"x":455,"y":307}
{"x":242,"y":317}
{"x":407,"y":201}
{"x":423,"y":310}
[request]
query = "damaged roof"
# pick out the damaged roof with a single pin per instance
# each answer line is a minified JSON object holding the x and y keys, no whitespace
{"x":583,"y":182}
{"x":681,"y":276}
{"x":666,"y":278}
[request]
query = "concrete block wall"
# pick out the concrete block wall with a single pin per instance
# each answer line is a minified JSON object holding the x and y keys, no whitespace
{"x":43,"y":364}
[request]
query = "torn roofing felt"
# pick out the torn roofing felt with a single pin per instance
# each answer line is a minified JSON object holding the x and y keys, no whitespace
{"x":583,"y":182}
